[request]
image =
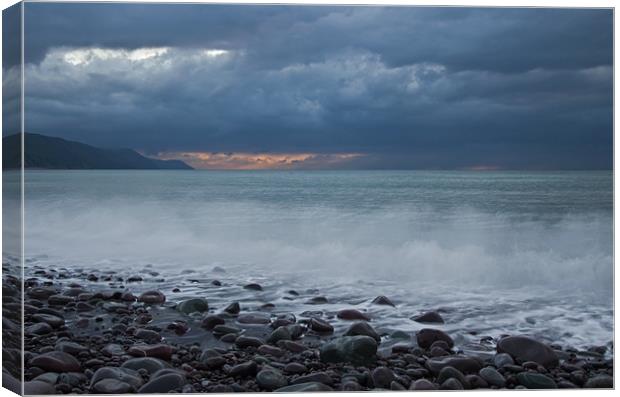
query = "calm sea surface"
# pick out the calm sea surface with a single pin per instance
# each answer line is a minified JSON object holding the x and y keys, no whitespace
{"x":498,"y":252}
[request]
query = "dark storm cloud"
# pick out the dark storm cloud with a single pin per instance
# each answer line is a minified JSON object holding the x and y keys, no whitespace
{"x":11,"y":76}
{"x":461,"y":38}
{"x":406,"y":87}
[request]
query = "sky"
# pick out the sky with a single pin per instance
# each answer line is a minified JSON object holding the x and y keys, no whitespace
{"x":310,"y":87}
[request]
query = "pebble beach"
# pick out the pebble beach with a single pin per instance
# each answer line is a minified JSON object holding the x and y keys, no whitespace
{"x":95,"y":331}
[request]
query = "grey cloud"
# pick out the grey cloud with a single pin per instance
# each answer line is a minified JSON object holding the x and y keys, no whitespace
{"x":409,"y":87}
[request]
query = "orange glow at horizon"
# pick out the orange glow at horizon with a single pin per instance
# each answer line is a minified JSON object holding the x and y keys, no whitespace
{"x":259,"y":161}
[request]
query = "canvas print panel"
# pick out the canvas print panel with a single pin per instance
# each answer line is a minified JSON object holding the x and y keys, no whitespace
{"x":229,"y":198}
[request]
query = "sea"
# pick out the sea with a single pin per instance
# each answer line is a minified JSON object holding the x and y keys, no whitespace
{"x":494,"y":252}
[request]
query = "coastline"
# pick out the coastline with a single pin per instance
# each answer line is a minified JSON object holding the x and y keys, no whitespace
{"x":94,"y":331}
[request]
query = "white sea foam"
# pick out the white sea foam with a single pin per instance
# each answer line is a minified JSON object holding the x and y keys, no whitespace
{"x":464,"y":246}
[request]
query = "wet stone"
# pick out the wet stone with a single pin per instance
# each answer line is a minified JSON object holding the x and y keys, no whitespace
{"x":382,"y":300}
{"x":363,"y":328}
{"x":271,"y":379}
{"x":244,"y":369}
{"x":533,"y":380}
{"x":321,"y":326}
{"x":248,"y":341}
{"x":94,"y":363}
{"x":225,"y":329}
{"x":229,"y":338}
{"x":475,"y":382}
{"x":350,"y":385}
{"x":295,"y":368}
{"x":123,"y":375}
{"x":211,"y":321}
{"x":564,"y":384}
{"x":492,"y":376}
{"x":429,"y":318}
{"x":438,"y":352}
{"x":164,"y":383}
{"x":600,"y":382}
{"x":352,"y":314}
{"x":56,"y":361}
{"x":523,"y":348}
{"x":280,"y":333}
{"x":38,"y":329}
{"x":53,"y":321}
{"x":214,"y":362}
{"x":150,"y":364}
{"x":254,"y":318}
{"x":320,"y":377}
{"x":60,"y":300}
{"x":152,"y":297}
{"x":161,"y":351}
{"x":284,"y":320}
{"x":72,"y":378}
{"x":423,"y":384}
{"x":42,"y":293}
{"x":295,"y":330}
{"x":271,"y":351}
{"x":233,"y":308}
{"x":502,"y":359}
{"x":451,"y":372}
{"x":253,"y":287}
{"x":382,"y":377}
{"x":451,"y":384}
{"x":70,"y":347}
{"x":179,"y":327}
{"x":304,"y":387}
{"x":291,"y":346}
{"x":462,"y":363}
{"x":427,"y":336}
{"x":48,"y":377}
{"x":36,"y":387}
{"x":196,"y":305}
{"x":361,"y":350}
{"x":317,"y":300}
{"x":84,"y":307}
{"x":148,"y":335}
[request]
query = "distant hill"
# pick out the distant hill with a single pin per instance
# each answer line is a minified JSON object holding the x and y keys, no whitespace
{"x":55,"y":153}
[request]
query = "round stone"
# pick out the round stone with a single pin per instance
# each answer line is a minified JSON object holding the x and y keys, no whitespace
{"x":56,"y":361}
{"x":211,"y":321}
{"x":427,"y":336}
{"x":382,"y":300}
{"x":352,"y":314}
{"x":321,"y":326}
{"x":493,"y":377}
{"x":532,"y":380}
{"x":164,"y":383}
{"x":600,"y":382}
{"x":523,"y":348}
{"x":423,"y":384}
{"x":150,"y":364}
{"x":152,"y":297}
{"x":280,"y":333}
{"x":363,"y":328}
{"x":196,"y":305}
{"x":233,"y":308}
{"x":271,"y":379}
{"x":382,"y":377}
{"x":429,"y":318}
{"x":112,"y":386}
{"x":254,"y":318}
